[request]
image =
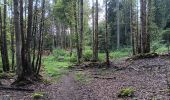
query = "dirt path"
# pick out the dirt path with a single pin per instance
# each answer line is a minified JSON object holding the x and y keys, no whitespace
{"x":69,"y":89}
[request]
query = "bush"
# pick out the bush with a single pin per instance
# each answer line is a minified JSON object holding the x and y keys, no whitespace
{"x":73,"y":59}
{"x":166,"y":36}
{"x":88,"y":54}
{"x":155,"y":46}
{"x":57,"y":53}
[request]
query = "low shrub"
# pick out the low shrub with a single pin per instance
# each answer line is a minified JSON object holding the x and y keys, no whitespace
{"x":126,"y":92}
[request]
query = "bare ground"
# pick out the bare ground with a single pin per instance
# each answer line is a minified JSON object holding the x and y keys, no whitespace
{"x":149,"y":78}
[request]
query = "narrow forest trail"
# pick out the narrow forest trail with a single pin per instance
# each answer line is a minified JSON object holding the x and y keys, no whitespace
{"x":69,"y":89}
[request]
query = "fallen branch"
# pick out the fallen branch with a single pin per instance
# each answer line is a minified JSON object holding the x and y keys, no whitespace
{"x":99,"y":77}
{"x":15,"y":89}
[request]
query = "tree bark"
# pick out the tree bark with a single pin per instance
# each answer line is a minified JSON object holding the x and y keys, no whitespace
{"x":12,"y":40}
{"x":145,"y":35}
{"x":40,"y":48}
{"x":76,"y":30}
{"x":27,"y":63}
{"x":93,"y":28}
{"x":18,"y":39}
{"x":81,"y":29}
{"x":4,"y":50}
{"x":96,"y":33}
{"x":106,"y":36}
{"x":118,"y":24}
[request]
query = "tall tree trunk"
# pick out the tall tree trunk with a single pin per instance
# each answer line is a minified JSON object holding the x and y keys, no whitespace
{"x":18,"y":39}
{"x":118,"y":24}
{"x":106,"y":36}
{"x":4,"y":50}
{"x":76,"y":30}
{"x":132,"y":28}
{"x":34,"y":31}
{"x":96,"y":33}
{"x":12,"y":40}
{"x":81,"y":29}
{"x":22,"y":33}
{"x":27,"y":63}
{"x":93,"y":28}
{"x":145,"y":35}
{"x":40,"y":48}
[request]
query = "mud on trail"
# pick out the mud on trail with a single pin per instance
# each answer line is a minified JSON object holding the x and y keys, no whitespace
{"x":150,"y":79}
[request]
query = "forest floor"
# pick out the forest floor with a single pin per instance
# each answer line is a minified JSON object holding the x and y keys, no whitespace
{"x":150,"y":79}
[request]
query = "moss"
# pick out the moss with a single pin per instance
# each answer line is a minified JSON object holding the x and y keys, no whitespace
{"x":37,"y":95}
{"x":126,"y":92}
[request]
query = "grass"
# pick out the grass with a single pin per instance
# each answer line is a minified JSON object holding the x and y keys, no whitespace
{"x":55,"y":68}
{"x":162,"y":49}
{"x":120,"y":53}
{"x":82,"y":77}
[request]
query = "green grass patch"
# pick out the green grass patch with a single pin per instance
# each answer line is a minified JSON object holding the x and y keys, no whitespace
{"x":120,"y":53}
{"x":55,"y":68}
{"x":162,"y":49}
{"x":82,"y":77}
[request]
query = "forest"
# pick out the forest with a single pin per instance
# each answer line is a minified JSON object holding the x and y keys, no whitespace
{"x":84,"y":50}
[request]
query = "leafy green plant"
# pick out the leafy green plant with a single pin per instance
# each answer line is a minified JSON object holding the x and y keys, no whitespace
{"x":126,"y":92}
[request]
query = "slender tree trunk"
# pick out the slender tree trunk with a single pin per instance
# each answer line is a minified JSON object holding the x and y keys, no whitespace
{"x":81,"y":29}
{"x":18,"y":39}
{"x":131,"y":28}
{"x":118,"y":24}
{"x":40,"y":48}
{"x":12,"y":40}
{"x":138,"y":48}
{"x":93,"y":29}
{"x":106,"y":38}
{"x":76,"y":30}
{"x":27,"y":64}
{"x":4,"y":50}
{"x":22,"y":33}
{"x":71,"y":42}
{"x":34,"y":31}
{"x":96,"y":33}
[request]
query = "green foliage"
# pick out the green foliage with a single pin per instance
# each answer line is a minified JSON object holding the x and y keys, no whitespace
{"x":73,"y":58}
{"x":155,"y":46}
{"x":88,"y":54}
{"x":162,"y":49}
{"x":120,"y":53}
{"x":126,"y":92}
{"x":166,"y":36}
{"x":82,"y":77}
